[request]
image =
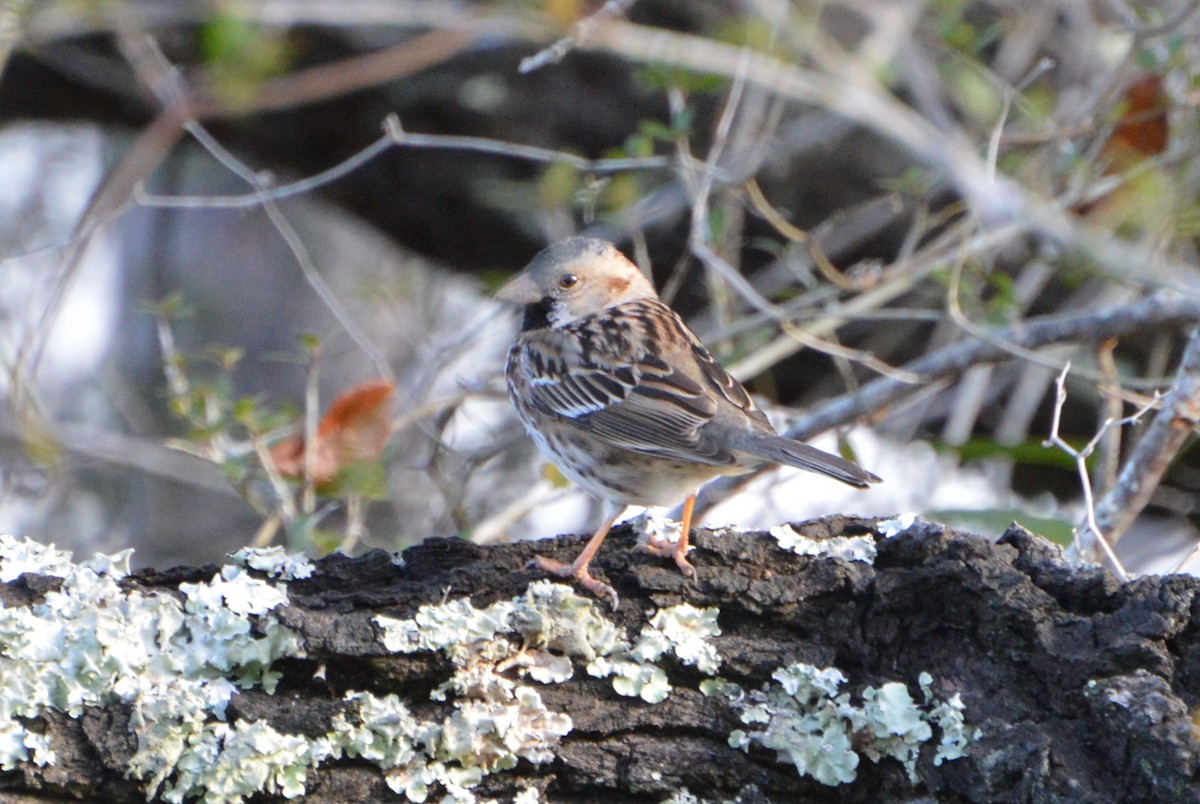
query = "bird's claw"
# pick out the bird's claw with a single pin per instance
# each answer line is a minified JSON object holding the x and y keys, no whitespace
{"x":577,"y":573}
{"x":659,"y":547}
{"x":685,"y":566}
{"x":664,"y":548}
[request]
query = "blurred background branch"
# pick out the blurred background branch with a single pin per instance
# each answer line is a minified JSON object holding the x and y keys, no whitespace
{"x":902,"y":219}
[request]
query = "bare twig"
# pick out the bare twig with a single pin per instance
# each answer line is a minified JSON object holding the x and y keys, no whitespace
{"x":395,"y":136}
{"x":1109,"y":451}
{"x":285,"y":510}
{"x":1085,"y":483}
{"x":854,"y":355}
{"x":155,"y":70}
{"x":1165,"y":309}
{"x":142,"y":158}
{"x":494,"y":528}
{"x":700,"y":183}
{"x":954,"y":308}
{"x":579,"y":32}
{"x":797,"y":235}
{"x":145,"y":456}
{"x":344,"y":75}
{"x":312,"y":413}
{"x":862,"y":100}
{"x":901,"y":278}
{"x":1166,"y":434}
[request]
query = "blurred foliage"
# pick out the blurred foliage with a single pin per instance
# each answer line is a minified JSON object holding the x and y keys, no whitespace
{"x":239,"y":55}
{"x":997,"y":520}
{"x":1049,"y":96}
{"x":248,"y":439}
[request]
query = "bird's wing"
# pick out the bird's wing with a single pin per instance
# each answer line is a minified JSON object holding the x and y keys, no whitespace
{"x":723,"y":383}
{"x":607,"y":385}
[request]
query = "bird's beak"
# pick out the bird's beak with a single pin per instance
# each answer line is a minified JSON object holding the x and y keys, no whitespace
{"x":522,"y":290}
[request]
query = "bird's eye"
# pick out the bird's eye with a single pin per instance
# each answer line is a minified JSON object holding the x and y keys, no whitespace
{"x":568,"y":281}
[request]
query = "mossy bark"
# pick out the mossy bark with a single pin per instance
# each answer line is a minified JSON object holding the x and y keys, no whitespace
{"x":1081,"y":687}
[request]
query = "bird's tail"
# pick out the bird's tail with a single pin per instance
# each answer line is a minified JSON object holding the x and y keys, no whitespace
{"x":786,"y":451}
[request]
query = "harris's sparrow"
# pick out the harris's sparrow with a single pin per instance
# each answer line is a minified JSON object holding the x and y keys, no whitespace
{"x":619,"y":393}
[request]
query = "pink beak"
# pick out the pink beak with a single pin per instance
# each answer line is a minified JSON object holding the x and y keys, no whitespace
{"x":522,"y":290}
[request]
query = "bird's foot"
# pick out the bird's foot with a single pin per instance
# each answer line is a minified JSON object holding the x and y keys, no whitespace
{"x":664,"y":547}
{"x":659,"y":536}
{"x":577,"y":573}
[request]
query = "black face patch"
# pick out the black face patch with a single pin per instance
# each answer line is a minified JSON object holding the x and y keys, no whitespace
{"x":537,"y":316}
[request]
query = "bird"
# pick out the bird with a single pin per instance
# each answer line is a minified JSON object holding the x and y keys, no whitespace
{"x":625,"y":400}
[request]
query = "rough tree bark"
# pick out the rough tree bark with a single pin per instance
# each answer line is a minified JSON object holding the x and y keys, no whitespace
{"x":1081,"y":688}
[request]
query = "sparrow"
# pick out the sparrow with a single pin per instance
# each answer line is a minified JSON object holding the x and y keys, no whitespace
{"x":627,"y":402}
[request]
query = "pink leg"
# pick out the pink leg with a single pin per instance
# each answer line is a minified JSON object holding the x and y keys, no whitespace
{"x":578,"y":569}
{"x":679,"y":549}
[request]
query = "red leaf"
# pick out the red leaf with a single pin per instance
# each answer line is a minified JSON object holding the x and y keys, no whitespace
{"x":354,"y":430}
{"x":1142,"y":130}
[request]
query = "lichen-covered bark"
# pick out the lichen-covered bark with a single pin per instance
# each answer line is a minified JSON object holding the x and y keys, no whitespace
{"x":1079,"y":688}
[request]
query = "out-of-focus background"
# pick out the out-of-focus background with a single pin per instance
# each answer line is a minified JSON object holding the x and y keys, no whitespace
{"x":215,"y":217}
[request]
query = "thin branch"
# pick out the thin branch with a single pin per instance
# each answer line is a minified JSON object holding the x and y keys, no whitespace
{"x":579,"y":32}
{"x":171,"y":90}
{"x":148,"y":151}
{"x":1109,"y":451}
{"x":1080,"y":456}
{"x":145,"y":456}
{"x":1163,"y":309}
{"x":1166,"y":434}
{"x":312,"y":413}
{"x":325,"y":293}
{"x":797,"y":235}
{"x":854,"y":355}
{"x":954,"y":308}
{"x":344,"y":76}
{"x":395,"y":136}
{"x":901,"y":278}
{"x":863,"y":100}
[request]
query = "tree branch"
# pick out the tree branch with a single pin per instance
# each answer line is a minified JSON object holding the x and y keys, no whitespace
{"x":1144,"y":469}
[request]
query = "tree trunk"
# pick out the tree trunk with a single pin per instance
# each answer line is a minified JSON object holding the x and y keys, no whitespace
{"x":1072,"y":686}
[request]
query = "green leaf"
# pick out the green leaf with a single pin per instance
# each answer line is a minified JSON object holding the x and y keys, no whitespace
{"x":662,"y":77}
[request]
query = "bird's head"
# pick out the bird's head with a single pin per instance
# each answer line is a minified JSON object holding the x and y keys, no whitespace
{"x":577,"y":277}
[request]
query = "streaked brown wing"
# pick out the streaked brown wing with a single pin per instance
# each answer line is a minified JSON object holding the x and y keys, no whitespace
{"x":605,"y":384}
{"x":721,"y":380}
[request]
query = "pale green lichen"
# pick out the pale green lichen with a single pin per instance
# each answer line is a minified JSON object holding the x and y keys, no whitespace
{"x":889,"y":528}
{"x":230,"y":762}
{"x":948,"y":717}
{"x":554,"y":623}
{"x":19,"y":556}
{"x":683,"y":630}
{"x":454,"y":754}
{"x":174,"y":664}
{"x":537,"y":635}
{"x":847,"y":548}
{"x":495,"y":720}
{"x":633,"y":679}
{"x":177,"y":661}
{"x":275,"y":562}
{"x":530,"y":795}
{"x":810,"y":724}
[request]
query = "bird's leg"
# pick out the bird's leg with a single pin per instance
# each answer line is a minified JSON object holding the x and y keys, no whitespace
{"x":678,"y":550}
{"x":578,"y":569}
